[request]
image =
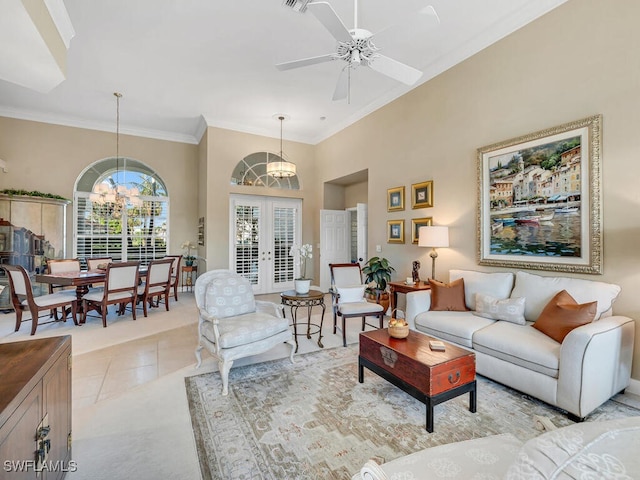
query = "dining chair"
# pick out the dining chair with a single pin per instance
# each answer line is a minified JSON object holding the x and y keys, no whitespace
{"x":61,"y":265}
{"x":93,"y":262}
{"x":157,"y":284}
{"x":233,"y":324}
{"x":120,"y":287}
{"x":23,"y":299}
{"x":347,"y":292}
{"x":175,"y":273}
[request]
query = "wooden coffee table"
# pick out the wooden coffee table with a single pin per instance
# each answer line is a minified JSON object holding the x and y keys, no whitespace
{"x":429,"y":376}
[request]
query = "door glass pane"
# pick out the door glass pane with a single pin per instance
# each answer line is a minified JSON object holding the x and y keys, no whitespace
{"x":284,"y":223}
{"x":247,"y":236}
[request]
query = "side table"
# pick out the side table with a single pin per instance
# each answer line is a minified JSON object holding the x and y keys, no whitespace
{"x":402,"y":287}
{"x":295,"y":300}
{"x":188,"y":272}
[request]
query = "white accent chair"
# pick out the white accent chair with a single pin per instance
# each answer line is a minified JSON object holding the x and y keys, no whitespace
{"x":347,"y":291}
{"x":23,"y":299}
{"x":121,"y":287}
{"x":233,"y":324}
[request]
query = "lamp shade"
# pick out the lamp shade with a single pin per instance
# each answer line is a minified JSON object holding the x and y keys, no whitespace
{"x":433,"y":236}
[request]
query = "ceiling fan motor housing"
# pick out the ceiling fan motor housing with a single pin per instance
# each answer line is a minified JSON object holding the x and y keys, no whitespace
{"x":359,"y":49}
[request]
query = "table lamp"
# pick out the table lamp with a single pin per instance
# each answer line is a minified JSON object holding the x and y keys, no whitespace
{"x":433,"y":237}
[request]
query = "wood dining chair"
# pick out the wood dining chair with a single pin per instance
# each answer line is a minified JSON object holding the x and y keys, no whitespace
{"x":61,"y":265}
{"x":120,"y":287}
{"x":23,"y":299}
{"x":94,"y":262}
{"x":156,"y":285}
{"x":175,"y":273}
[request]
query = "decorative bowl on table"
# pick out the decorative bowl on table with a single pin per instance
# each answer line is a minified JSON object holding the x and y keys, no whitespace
{"x":398,"y":328}
{"x":102,"y":266}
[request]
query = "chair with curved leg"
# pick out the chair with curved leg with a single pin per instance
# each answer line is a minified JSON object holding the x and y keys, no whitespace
{"x":23,"y":299}
{"x":347,"y":291}
{"x":59,"y":266}
{"x":156,"y":285}
{"x":175,"y":273}
{"x":233,"y":324}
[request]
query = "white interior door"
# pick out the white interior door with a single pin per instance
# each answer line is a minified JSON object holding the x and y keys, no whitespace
{"x":362,"y":228}
{"x":262,"y":230}
{"x":334,"y":242}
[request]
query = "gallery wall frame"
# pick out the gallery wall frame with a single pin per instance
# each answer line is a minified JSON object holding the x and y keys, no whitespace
{"x":416,"y":223}
{"x":395,"y":199}
{"x":395,"y":231}
{"x":422,"y":195}
{"x":539,"y":200}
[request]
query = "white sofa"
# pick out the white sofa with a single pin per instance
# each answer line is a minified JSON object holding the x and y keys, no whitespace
{"x":592,"y":363}
{"x":590,"y":450}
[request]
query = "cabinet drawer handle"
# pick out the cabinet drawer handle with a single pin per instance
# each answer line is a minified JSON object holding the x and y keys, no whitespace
{"x":457,"y":379}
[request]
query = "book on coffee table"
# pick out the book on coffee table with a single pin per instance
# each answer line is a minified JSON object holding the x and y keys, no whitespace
{"x":436,"y":345}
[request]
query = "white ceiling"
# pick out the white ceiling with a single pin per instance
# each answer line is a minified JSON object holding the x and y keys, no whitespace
{"x":181,"y":63}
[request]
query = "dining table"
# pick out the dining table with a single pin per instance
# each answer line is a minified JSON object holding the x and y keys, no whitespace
{"x":80,"y":279}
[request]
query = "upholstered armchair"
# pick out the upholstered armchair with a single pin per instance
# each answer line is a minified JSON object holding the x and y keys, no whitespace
{"x":233,"y":324}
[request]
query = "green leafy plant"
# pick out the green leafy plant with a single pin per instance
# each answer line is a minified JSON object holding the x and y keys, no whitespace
{"x":377,"y":274}
{"x":30,"y":193}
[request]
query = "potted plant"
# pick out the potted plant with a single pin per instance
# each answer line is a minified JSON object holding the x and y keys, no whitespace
{"x":300,"y":256}
{"x":377,"y":275}
{"x":188,"y":258}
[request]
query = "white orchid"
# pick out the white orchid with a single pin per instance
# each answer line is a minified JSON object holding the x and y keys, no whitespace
{"x":300,"y":255}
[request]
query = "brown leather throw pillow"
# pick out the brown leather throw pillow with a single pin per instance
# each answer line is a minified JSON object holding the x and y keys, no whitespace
{"x":562,"y":314}
{"x":447,"y":296}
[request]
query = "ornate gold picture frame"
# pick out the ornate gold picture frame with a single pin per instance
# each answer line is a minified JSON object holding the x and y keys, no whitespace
{"x":395,"y":231}
{"x":416,"y":223}
{"x":395,"y":199}
{"x":539,"y":200}
{"x":422,"y":195}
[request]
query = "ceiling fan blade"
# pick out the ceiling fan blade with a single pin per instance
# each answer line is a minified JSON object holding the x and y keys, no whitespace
{"x":394,"y":69}
{"x":306,"y":62}
{"x":423,"y":20}
{"x":431,"y":12}
{"x":342,"y":87}
{"x":327,"y":16}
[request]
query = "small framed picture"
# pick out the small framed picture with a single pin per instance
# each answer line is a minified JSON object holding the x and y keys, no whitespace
{"x":395,"y":231}
{"x":422,"y":195}
{"x":416,"y":223}
{"x":395,"y":199}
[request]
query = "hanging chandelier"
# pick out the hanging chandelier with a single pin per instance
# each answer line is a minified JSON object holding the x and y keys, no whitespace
{"x":117,"y":197}
{"x":281,"y":168}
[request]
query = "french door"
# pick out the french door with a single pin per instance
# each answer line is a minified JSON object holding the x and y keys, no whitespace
{"x":262,"y":231}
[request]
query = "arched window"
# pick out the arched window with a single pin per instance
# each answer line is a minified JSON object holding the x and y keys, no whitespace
{"x":252,"y":171}
{"x":121,"y":210}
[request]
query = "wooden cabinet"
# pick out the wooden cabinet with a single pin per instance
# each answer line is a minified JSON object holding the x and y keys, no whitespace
{"x":35,"y":409}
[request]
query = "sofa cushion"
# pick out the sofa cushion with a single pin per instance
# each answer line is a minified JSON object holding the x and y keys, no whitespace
{"x":562,"y":314}
{"x":602,"y":450}
{"x":509,"y":309}
{"x":447,"y":296}
{"x":245,"y":329}
{"x":456,"y":327}
{"x":521,"y":345}
{"x":498,"y":285}
{"x":539,"y":290}
{"x":352,"y":293}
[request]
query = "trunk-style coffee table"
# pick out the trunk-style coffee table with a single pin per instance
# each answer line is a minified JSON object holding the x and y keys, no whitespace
{"x":430,"y":376}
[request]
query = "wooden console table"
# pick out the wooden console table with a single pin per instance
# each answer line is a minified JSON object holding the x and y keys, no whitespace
{"x":35,"y":408}
{"x":402,"y":287}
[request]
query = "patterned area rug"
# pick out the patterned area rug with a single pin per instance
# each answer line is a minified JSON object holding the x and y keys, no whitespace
{"x":313,"y":420}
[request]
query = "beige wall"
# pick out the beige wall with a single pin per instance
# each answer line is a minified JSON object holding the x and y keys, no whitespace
{"x":225,"y":149}
{"x":49,"y":158}
{"x":581,"y":59}
{"x":356,"y":193}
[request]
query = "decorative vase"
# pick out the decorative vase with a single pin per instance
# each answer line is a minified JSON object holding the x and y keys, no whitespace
{"x":189,"y":263}
{"x":302,"y":285}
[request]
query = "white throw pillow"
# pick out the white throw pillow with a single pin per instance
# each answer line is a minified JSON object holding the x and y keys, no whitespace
{"x":497,"y":285}
{"x":539,"y":290}
{"x":352,"y":293}
{"x":509,"y":309}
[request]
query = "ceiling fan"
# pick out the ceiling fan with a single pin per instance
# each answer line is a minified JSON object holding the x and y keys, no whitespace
{"x":355,"y":48}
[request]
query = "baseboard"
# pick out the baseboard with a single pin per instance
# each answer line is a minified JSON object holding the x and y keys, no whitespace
{"x":634,"y":387}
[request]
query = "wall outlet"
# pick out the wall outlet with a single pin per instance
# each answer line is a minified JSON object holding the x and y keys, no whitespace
{"x":378,"y":248}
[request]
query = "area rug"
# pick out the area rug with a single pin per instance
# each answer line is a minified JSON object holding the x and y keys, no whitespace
{"x":313,"y":420}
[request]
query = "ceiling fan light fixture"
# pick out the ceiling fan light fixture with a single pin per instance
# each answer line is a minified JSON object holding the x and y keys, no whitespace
{"x":281,"y":168}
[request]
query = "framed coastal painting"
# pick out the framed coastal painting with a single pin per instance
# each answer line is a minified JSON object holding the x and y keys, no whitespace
{"x":395,"y":231}
{"x":422,"y":195}
{"x":395,"y":199}
{"x":416,"y":223}
{"x":539,"y":200}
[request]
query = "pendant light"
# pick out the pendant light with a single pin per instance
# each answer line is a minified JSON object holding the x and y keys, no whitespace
{"x":116,"y":196}
{"x":281,"y":168}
